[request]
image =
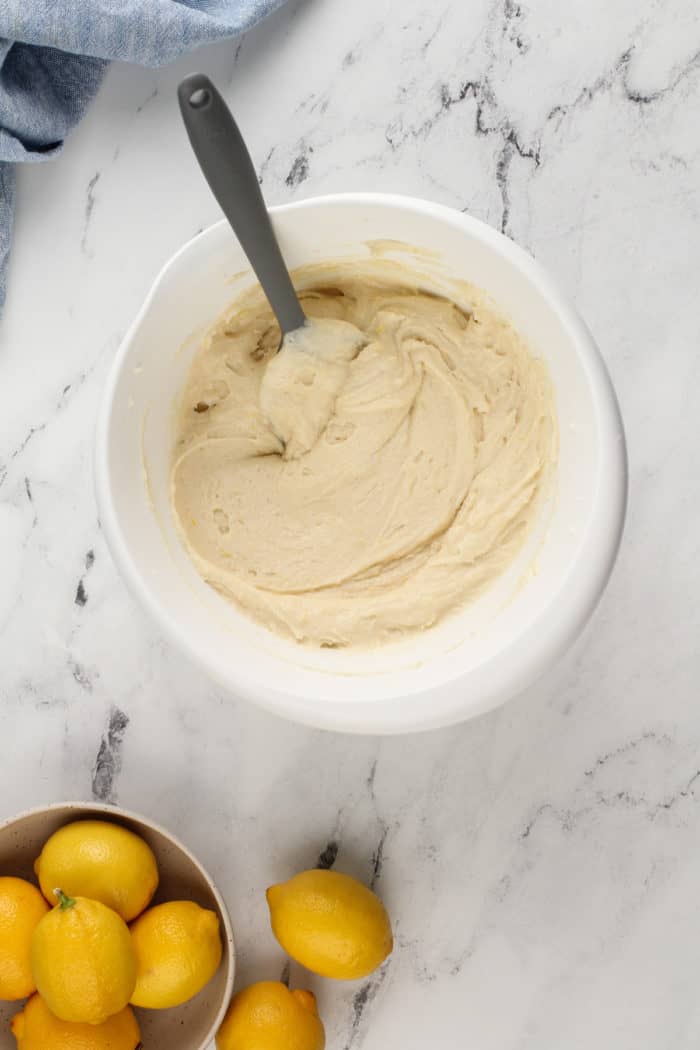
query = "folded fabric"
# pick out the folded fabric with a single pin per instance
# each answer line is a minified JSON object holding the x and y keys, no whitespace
{"x":53,"y":56}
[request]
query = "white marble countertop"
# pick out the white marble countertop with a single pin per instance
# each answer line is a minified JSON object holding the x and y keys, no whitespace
{"x":541,"y":863}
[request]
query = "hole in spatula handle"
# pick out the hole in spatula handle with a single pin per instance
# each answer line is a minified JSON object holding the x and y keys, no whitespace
{"x":200,"y":98}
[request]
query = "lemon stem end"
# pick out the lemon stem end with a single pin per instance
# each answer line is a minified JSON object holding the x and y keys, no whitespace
{"x":64,"y":902}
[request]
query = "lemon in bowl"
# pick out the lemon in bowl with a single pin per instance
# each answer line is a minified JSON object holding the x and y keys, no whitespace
{"x":100,"y":860}
{"x":36,"y":1028}
{"x":82,"y":960}
{"x":21,"y":909}
{"x":177,"y":947}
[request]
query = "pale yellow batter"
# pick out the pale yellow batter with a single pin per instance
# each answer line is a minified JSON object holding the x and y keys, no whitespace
{"x":376,"y":476}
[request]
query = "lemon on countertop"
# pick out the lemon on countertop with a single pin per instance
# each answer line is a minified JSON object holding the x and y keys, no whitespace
{"x":82,"y":960}
{"x":267,"y":1016}
{"x":331,"y":924}
{"x":102,"y":861}
{"x":21,"y":908}
{"x":178,"y":950}
{"x":36,"y":1028}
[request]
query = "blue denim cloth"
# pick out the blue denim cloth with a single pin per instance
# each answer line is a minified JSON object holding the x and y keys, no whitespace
{"x":54,"y":53}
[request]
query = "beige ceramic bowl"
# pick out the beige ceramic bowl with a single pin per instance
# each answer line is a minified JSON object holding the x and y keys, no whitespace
{"x":188,"y":1027}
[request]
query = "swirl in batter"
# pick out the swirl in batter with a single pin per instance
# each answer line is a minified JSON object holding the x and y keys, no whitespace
{"x":374,"y":476}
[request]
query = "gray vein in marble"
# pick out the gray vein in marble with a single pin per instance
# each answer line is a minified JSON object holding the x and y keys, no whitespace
{"x":512,"y":15}
{"x":511,"y":146}
{"x":492,"y":119}
{"x":384,"y":827}
{"x":646,"y":98}
{"x":109,"y":762}
{"x":378,"y":856}
{"x":140,"y":108}
{"x":81,"y":595}
{"x":587,"y":801}
{"x":234,"y":61}
{"x":30,"y":500}
{"x":425,"y":46}
{"x":361,"y":1001}
{"x":564,"y":818}
{"x":627,"y":748}
{"x":299,"y":171}
{"x":81,"y":675}
{"x":489,"y":121}
{"x":265,"y":164}
{"x":567,"y":819}
{"x":314,"y":103}
{"x":328,"y":857}
{"x":686,"y":792}
{"x":511,"y":29}
{"x":89,"y":208}
{"x":64,"y":399}
{"x":20,"y":448}
{"x":50,"y":703}
{"x":625,"y":796}
{"x":620,"y":72}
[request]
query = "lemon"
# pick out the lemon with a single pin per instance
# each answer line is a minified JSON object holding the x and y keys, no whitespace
{"x":36,"y":1028}
{"x":82,"y":960}
{"x":330,"y":923}
{"x":267,"y":1016}
{"x":102,"y":861}
{"x":21,"y":907}
{"x":178,"y":950}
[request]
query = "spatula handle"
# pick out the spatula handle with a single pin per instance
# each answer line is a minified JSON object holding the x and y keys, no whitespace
{"x":224,"y":158}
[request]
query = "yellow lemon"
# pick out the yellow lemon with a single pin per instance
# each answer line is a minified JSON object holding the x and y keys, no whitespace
{"x":267,"y":1016}
{"x":82,"y":960}
{"x":102,"y":861}
{"x":36,"y":1028}
{"x":331,"y":924}
{"x":21,"y":908}
{"x":178,"y":950}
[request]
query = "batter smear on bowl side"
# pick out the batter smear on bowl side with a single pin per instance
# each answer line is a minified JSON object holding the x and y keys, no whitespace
{"x":372,"y":477}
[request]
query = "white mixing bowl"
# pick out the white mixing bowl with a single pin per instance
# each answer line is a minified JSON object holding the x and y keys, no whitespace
{"x":474,"y":660}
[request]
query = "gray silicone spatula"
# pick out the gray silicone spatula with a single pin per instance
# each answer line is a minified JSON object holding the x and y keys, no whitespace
{"x":224,"y":158}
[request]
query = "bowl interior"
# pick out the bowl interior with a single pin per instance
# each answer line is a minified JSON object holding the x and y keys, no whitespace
{"x":188,"y":1027}
{"x":496,"y":644}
